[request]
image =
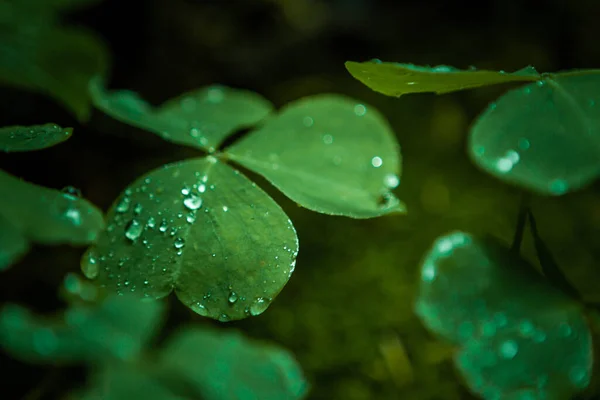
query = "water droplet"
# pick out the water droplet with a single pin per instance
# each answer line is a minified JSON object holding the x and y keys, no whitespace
{"x":192,"y":201}
{"x":391,"y":181}
{"x":71,"y":192}
{"x":185,"y":191}
{"x":376,"y":161}
{"x":137,"y":209}
{"x":202,"y":188}
{"x":191,"y":218}
{"x":151,"y":223}
{"x":73,"y":215}
{"x":225,"y":208}
{"x":327,"y":139}
{"x":509,"y":349}
{"x":526,"y":328}
{"x":360,"y":110}
{"x":133,"y":230}
{"x":200,"y":309}
{"x":223,"y":317}
{"x":308,"y":122}
{"x":233,"y":297}
{"x":123,"y":205}
{"x":259,"y":306}
{"x":527,"y":90}
{"x":179,"y":243}
{"x":90,"y":268}
{"x":163,"y":226}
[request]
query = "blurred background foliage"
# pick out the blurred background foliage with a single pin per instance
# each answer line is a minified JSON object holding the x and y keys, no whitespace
{"x":347,"y":312}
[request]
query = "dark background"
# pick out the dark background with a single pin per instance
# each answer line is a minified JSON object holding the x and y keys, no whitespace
{"x":347,"y":311}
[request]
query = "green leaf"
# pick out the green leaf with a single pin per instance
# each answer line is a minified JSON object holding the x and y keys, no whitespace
{"x":125,"y":382}
{"x":226,"y":366}
{"x":519,"y":337}
{"x":116,"y":328}
{"x":13,"y":245}
{"x":55,"y":61}
{"x":328,"y":153}
{"x":29,"y":138}
{"x":544,"y":136}
{"x":393,"y":79}
{"x":200,"y":119}
{"x":48,"y":216}
{"x":203,"y":229}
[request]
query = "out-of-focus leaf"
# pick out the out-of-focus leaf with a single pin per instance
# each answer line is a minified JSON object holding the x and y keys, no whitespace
{"x":203,"y":229}
{"x":544,"y":136}
{"x":55,"y":61}
{"x":328,"y":153}
{"x":393,"y":79}
{"x":226,"y":366}
{"x":29,"y":138}
{"x":125,"y":382}
{"x":116,"y":328}
{"x":13,"y":245}
{"x":200,"y":119}
{"x":48,"y":216}
{"x":519,"y":337}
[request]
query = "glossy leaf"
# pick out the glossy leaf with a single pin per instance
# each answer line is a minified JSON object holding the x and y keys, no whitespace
{"x":48,"y":216}
{"x":394,"y":79}
{"x":200,"y":119}
{"x":55,"y":61}
{"x":519,"y":337}
{"x":544,"y":136}
{"x":29,"y":138}
{"x":328,"y":153}
{"x":13,"y":245}
{"x":116,"y":328}
{"x":226,"y":366}
{"x":203,"y":229}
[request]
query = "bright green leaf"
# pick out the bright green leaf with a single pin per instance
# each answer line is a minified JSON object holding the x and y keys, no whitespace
{"x":544,"y":136}
{"x":13,"y":245}
{"x":203,"y":229}
{"x":55,"y":61}
{"x":116,"y":328}
{"x":393,"y":79}
{"x":29,"y":138}
{"x":227,"y":366}
{"x":200,"y":119}
{"x":48,"y":216}
{"x":328,"y":153}
{"x":519,"y":337}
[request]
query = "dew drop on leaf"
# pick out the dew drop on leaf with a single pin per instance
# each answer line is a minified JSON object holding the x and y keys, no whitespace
{"x":192,"y":201}
{"x":133,"y":230}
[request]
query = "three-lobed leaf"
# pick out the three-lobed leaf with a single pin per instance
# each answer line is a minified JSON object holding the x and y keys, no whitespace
{"x":30,"y":138}
{"x":394,"y":79}
{"x":203,"y":229}
{"x":544,"y":136}
{"x":117,"y":328}
{"x":329,"y":154}
{"x":200,"y":119}
{"x":519,"y":337}
{"x":227,"y":366}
